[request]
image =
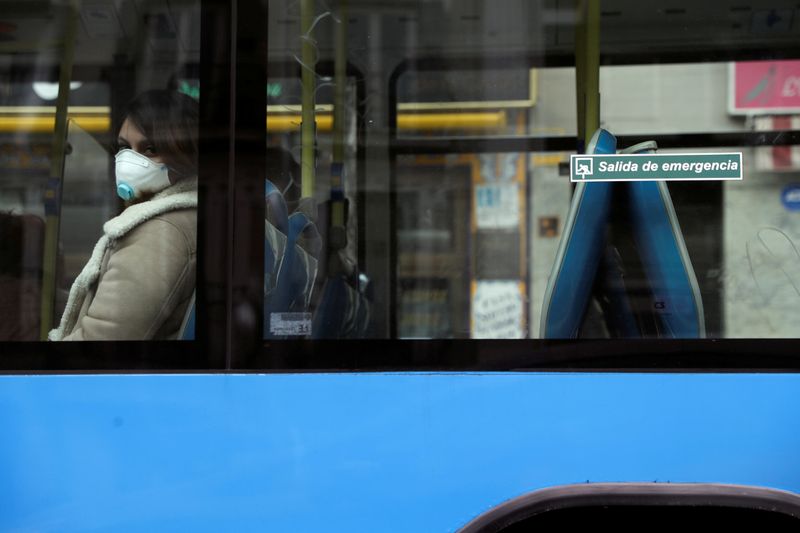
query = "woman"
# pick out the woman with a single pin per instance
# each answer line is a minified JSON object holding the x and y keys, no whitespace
{"x":141,"y":276}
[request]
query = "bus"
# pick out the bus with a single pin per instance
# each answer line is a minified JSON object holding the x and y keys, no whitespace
{"x":413,"y":308}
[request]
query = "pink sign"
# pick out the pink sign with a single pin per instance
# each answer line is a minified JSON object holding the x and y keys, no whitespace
{"x":766,"y":87}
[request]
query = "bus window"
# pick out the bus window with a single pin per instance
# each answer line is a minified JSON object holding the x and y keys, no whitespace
{"x":91,"y":259}
{"x":464,"y":222}
{"x":413,"y":168}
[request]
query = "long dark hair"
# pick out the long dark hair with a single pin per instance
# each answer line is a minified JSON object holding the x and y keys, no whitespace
{"x":169,"y":120}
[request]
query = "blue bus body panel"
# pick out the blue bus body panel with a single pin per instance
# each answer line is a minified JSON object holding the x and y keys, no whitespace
{"x":369,"y":452}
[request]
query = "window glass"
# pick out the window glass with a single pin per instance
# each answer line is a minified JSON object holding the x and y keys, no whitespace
{"x":462,"y":269}
{"x":458,"y":121}
{"x":98,"y":248}
{"x":673,"y":98}
{"x":415,"y":171}
{"x":479,"y":103}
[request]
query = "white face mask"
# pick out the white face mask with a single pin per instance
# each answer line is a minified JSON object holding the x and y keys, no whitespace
{"x":137,"y":174}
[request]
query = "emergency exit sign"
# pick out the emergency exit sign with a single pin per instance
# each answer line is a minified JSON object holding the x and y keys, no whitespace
{"x":656,"y":167}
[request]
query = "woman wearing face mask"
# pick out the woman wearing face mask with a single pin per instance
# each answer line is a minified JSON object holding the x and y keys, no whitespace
{"x":140,"y":278}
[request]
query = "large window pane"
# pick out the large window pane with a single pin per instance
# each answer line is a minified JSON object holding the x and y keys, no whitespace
{"x":83,"y":258}
{"x":455,"y":129}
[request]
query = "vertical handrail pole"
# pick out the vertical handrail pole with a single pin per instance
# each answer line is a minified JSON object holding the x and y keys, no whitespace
{"x":337,"y":236}
{"x":308,"y":80}
{"x":340,"y":83}
{"x":53,"y":192}
{"x":587,"y":69}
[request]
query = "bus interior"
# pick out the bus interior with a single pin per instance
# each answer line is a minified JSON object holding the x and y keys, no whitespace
{"x":426,"y":143}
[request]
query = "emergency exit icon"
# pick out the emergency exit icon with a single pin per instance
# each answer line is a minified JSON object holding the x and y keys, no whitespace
{"x":583,"y":167}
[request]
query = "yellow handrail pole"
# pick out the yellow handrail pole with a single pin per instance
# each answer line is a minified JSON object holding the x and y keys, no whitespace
{"x":308,"y":80}
{"x":486,"y":121}
{"x":53,"y":193}
{"x":587,"y":67}
{"x":276,"y":123}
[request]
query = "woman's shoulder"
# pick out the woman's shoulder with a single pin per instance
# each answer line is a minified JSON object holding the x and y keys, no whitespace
{"x":184,"y":220}
{"x":173,"y":230}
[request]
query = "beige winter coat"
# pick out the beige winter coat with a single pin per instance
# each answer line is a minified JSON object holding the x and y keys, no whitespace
{"x":141,"y":276}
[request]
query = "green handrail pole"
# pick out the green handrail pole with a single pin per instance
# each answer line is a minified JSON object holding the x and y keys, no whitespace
{"x":53,"y":193}
{"x":308,"y":80}
{"x":587,"y":67}
{"x":339,"y":95}
{"x":340,"y":83}
{"x":580,"y":68}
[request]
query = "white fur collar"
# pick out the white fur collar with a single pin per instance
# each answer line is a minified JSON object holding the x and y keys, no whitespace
{"x":182,"y":195}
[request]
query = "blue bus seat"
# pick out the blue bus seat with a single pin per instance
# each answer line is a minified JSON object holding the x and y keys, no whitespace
{"x":274,"y":243}
{"x":186,"y":331}
{"x":277,"y":220}
{"x":662,"y":250}
{"x":277,"y":212}
{"x":344,"y":311}
{"x":579,"y":251}
{"x":297,"y":269}
{"x":614,"y":302}
{"x":291,"y":251}
{"x":583,"y":254}
{"x":291,"y":269}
